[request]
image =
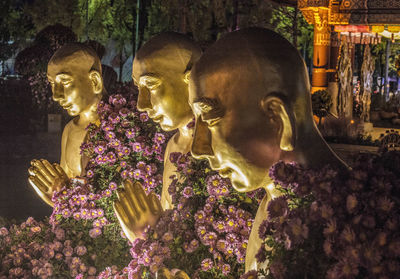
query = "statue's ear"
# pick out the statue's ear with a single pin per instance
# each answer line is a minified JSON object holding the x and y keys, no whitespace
{"x":277,"y":113}
{"x":97,"y":81}
{"x":186,"y":76}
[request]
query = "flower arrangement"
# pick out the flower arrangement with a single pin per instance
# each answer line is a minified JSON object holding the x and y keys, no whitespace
{"x":334,"y":224}
{"x":82,"y":237}
{"x":37,"y":250}
{"x":205,"y":234}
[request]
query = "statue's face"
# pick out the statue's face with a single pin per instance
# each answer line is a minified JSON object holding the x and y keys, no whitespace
{"x":71,"y":85}
{"x":231,"y":131}
{"x":163,"y":92}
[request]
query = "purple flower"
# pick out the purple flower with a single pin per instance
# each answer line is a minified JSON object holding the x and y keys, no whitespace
{"x":284,"y":173}
{"x":143,"y":117}
{"x":90,"y":173}
{"x":48,"y":253}
{"x":278,"y":270}
{"x":100,"y":149}
{"x":100,"y":160}
{"x":123,"y":164}
{"x":60,"y":234}
{"x":66,"y":213}
{"x":249,"y":275}
{"x":200,"y":216}
{"x":112,"y":185}
{"x":210,"y":238}
{"x":137,"y":147}
{"x":106,"y":193}
{"x":110,"y":135}
{"x":115,"y":143}
{"x":137,"y":174}
{"x":225,"y":268}
{"x":174,"y":157}
{"x":114,"y":118}
{"x":151,"y":169}
{"x":117,"y":100}
{"x":159,"y":138}
{"x":277,"y":207}
{"x":130,"y":133}
{"x":124,"y":112}
{"x":68,"y":251}
{"x":111,"y":157}
{"x":206,"y":264}
{"x":187,"y":192}
{"x":296,"y":231}
{"x":125,"y":173}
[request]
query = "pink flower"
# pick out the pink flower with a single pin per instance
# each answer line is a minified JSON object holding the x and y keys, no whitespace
{"x":95,"y":232}
{"x":80,"y":250}
{"x":3,"y":231}
{"x":36,"y":229}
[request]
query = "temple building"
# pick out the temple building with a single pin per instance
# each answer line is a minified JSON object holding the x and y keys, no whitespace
{"x":355,"y":21}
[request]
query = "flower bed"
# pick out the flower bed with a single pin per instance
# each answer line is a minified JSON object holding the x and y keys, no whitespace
{"x":334,"y":224}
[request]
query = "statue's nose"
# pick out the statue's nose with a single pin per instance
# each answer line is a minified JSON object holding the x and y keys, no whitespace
{"x":201,"y":144}
{"x":58,"y":92}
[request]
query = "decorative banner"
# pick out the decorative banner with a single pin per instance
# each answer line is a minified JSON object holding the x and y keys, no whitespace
{"x":377,"y":28}
{"x":394,"y":28}
{"x":352,"y":28}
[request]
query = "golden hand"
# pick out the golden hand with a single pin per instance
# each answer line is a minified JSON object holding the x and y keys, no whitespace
{"x":135,"y":210}
{"x":46,"y":178}
{"x":164,"y":273}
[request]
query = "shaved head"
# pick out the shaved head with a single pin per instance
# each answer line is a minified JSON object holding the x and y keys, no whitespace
{"x":259,"y":61}
{"x":78,"y":54}
{"x":170,"y":46}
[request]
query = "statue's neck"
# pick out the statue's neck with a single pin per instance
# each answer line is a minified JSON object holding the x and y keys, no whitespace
{"x":183,"y":138}
{"x":88,"y":116}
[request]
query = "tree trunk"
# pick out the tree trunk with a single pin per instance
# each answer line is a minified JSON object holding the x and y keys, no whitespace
{"x":121,"y":65}
{"x":235,"y":18}
{"x":387,"y":70}
{"x":294,"y":28}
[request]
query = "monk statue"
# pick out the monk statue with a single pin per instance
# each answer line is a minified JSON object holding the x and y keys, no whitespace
{"x":74,"y":73}
{"x":161,"y":71}
{"x":250,"y":94}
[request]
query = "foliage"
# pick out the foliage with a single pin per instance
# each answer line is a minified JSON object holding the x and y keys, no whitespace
{"x":50,"y":12}
{"x":332,"y":223}
{"x":321,"y":103}
{"x":32,"y":63}
{"x":290,"y":23}
{"x":15,"y":28}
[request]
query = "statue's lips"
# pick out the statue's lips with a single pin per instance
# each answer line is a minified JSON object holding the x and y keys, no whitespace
{"x":66,"y":106}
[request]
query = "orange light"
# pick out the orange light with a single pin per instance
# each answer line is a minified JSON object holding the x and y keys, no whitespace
{"x":352,"y":121}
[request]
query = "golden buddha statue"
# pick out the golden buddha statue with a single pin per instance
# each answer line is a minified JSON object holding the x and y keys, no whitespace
{"x":250,"y":94}
{"x":160,"y":70}
{"x":74,"y":73}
